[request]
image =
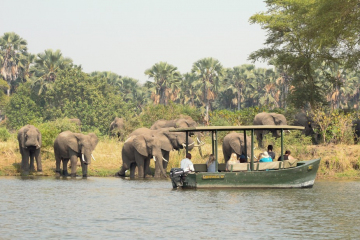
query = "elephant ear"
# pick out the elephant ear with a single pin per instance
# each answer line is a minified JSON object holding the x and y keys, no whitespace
{"x":181,"y":123}
{"x":22,"y":137}
{"x":235,"y":145}
{"x":165,"y":142}
{"x":93,"y":140}
{"x":141,"y":145}
{"x":74,"y":142}
{"x":39,"y":137}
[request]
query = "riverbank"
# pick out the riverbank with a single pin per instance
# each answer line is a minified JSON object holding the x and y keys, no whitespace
{"x":338,"y":161}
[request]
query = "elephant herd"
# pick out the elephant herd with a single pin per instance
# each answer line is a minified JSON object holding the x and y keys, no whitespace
{"x":142,"y":144}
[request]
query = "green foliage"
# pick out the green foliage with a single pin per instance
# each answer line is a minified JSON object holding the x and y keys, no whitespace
{"x":152,"y":113}
{"x":21,"y":109}
{"x":242,"y":117}
{"x":4,"y":134}
{"x":50,"y":129}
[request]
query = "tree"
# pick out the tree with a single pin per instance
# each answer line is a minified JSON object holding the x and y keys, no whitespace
{"x":291,"y":43}
{"x":166,"y":77}
{"x":208,"y":72}
{"x":46,"y":67}
{"x":13,"y":56}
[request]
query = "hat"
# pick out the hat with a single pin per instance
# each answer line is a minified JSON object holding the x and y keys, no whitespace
{"x":265,"y":154}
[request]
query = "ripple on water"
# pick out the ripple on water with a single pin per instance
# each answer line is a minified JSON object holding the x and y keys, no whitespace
{"x":111,"y":208}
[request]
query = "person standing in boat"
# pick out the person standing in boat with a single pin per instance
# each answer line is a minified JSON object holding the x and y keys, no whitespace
{"x":186,"y":164}
{"x":210,"y":163}
{"x":270,"y":152}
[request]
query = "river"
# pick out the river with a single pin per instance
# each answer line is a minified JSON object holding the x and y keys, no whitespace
{"x":114,"y":208}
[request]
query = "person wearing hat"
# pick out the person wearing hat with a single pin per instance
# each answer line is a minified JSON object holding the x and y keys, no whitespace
{"x":186,"y":164}
{"x":265,"y":157}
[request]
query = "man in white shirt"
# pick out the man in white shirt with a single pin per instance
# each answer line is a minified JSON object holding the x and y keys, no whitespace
{"x":186,"y":164}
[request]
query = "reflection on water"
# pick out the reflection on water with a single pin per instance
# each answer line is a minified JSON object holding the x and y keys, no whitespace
{"x":113,"y":208}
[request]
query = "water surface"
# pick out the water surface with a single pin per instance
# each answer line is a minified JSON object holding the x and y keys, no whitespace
{"x":114,"y":208}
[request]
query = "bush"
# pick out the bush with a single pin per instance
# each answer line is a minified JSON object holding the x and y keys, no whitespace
{"x":4,"y":134}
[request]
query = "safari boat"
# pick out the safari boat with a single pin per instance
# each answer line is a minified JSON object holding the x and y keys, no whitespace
{"x":277,"y":174}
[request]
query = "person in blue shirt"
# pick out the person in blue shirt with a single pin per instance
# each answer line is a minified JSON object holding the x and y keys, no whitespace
{"x":265,"y":157}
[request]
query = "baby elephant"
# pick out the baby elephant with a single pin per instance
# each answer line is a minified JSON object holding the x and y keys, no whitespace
{"x":71,"y":146}
{"x":29,"y":138}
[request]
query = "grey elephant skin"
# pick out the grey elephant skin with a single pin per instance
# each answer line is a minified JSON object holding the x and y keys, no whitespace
{"x":234,"y":143}
{"x":167,"y":141}
{"x":265,"y":118}
{"x":356,"y":127}
{"x":71,"y":146}
{"x":137,"y":151}
{"x":29,"y":138}
{"x":178,"y":123}
{"x":117,"y":127}
{"x":305,"y":120}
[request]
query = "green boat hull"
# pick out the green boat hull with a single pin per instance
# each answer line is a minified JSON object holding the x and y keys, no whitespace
{"x":301,"y":176}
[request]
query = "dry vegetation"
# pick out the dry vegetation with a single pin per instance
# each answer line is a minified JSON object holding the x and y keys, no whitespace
{"x":338,"y":161}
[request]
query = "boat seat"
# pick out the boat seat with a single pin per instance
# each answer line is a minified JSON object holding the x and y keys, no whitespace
{"x":237,"y":167}
{"x":290,"y":163}
{"x":268,"y":165}
{"x":221,"y":167}
{"x":200,"y":167}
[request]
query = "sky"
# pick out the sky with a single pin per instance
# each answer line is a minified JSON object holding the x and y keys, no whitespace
{"x":129,"y":36}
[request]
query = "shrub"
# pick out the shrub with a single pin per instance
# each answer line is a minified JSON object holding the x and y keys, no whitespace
{"x":4,"y":134}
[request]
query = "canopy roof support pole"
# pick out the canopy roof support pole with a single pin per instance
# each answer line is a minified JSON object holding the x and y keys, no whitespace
{"x":252,"y":150}
{"x":187,"y":142}
{"x":216,"y":152}
{"x":282,"y":145}
{"x":245,"y":151}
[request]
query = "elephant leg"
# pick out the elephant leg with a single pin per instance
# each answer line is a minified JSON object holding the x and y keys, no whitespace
{"x":147,"y":167}
{"x":132,"y":170}
{"x":73,"y":160}
{"x":58,"y":163}
{"x":84,"y":168}
{"x":65,"y":164}
{"x":38,"y":160}
{"x":140,"y":162}
{"x":122,"y":171}
{"x":24,"y":162}
{"x":32,"y":164}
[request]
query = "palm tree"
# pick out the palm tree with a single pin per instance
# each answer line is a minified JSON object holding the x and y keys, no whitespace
{"x":237,"y":79}
{"x":166,"y":77}
{"x":46,"y":67}
{"x":208,"y":72}
{"x":13,"y":52}
{"x":111,"y":78}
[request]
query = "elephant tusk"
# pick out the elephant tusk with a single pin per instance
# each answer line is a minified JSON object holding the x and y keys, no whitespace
{"x":82,"y":157}
{"x":165,"y":160}
{"x":184,"y":145}
{"x":191,"y":144}
{"x":199,"y":145}
{"x":154,"y":158}
{"x":93,"y":157}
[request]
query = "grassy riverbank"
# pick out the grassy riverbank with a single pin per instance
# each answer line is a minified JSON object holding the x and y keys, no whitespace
{"x":338,"y":161}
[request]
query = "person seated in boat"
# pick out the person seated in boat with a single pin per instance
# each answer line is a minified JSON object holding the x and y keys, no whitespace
{"x":270,"y":152}
{"x":233,"y":160}
{"x":287,"y":156}
{"x":210,"y":163}
{"x":243,"y":158}
{"x":264,"y":157}
{"x":186,"y":164}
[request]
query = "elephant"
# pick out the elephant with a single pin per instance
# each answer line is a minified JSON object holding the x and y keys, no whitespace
{"x":71,"y":146}
{"x":29,"y":138}
{"x":265,"y":118}
{"x":234,"y":143}
{"x":305,"y":120}
{"x":168,"y":141}
{"x":117,"y":127}
{"x":77,"y":122}
{"x":356,"y":127}
{"x":184,"y":122}
{"x":137,"y":151}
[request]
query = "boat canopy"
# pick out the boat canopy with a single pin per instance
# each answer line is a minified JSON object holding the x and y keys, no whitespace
{"x":238,"y":128}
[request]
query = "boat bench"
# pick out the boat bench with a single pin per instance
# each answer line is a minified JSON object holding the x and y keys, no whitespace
{"x":258,"y":166}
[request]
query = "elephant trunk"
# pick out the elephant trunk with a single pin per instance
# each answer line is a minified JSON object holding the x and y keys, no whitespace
{"x":159,"y":164}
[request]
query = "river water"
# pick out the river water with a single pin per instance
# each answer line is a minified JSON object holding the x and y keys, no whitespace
{"x":114,"y":208}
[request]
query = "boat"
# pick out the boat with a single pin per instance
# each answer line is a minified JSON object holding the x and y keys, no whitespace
{"x":277,"y":174}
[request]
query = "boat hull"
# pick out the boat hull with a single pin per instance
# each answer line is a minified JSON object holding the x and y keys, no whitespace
{"x":301,"y":176}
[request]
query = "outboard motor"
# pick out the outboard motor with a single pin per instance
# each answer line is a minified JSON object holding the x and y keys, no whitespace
{"x":177,"y":176}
